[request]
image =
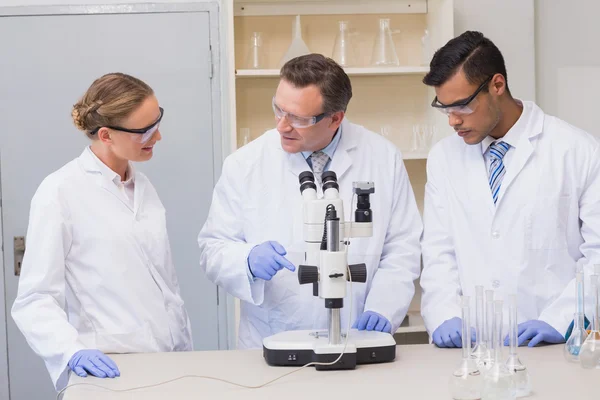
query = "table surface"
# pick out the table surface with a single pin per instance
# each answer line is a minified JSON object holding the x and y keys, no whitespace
{"x":419,"y":372}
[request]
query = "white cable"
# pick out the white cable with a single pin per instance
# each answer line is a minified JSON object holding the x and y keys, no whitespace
{"x":225,"y":380}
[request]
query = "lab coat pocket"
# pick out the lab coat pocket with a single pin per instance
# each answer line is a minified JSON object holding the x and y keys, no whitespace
{"x":137,"y":341}
{"x":546,"y":223}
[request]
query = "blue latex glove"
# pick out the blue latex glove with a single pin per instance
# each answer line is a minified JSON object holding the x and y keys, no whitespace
{"x":94,"y":362}
{"x":536,"y":331}
{"x":371,"y":321}
{"x":449,"y":333}
{"x":266,"y":259}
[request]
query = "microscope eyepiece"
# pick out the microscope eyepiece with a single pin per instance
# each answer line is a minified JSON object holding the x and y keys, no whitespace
{"x":307,"y":180}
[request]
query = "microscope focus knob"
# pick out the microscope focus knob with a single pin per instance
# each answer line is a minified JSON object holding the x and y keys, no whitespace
{"x":358,"y":272}
{"x":308,"y":274}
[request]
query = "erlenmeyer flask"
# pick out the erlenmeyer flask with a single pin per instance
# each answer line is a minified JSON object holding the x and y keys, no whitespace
{"x":498,"y":382}
{"x":521,"y":375}
{"x":384,"y":50}
{"x":343,"y":48}
{"x":578,"y":334}
{"x":255,"y":58}
{"x":297,"y":47}
{"x":589,"y":356}
{"x":466,"y":381}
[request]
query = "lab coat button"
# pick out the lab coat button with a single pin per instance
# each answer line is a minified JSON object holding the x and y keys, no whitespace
{"x":496,"y":235}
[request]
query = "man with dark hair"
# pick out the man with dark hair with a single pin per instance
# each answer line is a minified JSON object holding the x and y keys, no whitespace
{"x":512,"y":202}
{"x":252,"y":241}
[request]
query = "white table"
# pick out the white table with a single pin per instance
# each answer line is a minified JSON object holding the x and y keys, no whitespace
{"x":419,"y":372}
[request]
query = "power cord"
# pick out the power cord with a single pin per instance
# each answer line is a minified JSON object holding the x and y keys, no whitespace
{"x":225,"y":380}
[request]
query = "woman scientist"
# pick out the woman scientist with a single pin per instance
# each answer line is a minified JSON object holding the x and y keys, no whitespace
{"x":97,"y":275}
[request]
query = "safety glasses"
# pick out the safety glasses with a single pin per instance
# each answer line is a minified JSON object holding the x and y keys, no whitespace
{"x":461,"y":107}
{"x":141,"y":135}
{"x":294,"y":120}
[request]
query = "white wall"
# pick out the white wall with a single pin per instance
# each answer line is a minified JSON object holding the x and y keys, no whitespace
{"x":510,"y":25}
{"x":568,"y":60}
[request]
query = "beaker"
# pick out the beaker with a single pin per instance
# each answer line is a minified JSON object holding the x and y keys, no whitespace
{"x":466,"y":381}
{"x":589,"y":355}
{"x":297,"y":47}
{"x":487,"y":361}
{"x":343,"y":49}
{"x":578,"y":333}
{"x":384,"y":50}
{"x":521,"y":375}
{"x":255,"y":58}
{"x":498,"y":382}
{"x":480,"y":351}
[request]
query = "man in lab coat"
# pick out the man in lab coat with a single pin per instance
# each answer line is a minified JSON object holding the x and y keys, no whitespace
{"x":512,"y":201}
{"x":252,"y":242}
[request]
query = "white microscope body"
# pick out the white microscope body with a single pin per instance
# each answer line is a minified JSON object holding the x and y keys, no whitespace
{"x":326,"y":268}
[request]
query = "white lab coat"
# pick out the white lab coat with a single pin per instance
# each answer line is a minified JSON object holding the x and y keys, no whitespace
{"x":547,"y":220}
{"x":97,"y":274}
{"x":258,"y":199}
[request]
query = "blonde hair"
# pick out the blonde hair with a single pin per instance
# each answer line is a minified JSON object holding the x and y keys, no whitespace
{"x":109,"y":100}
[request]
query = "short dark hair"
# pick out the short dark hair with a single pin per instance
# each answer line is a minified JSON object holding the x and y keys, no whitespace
{"x":477,"y":55}
{"x":323,"y":72}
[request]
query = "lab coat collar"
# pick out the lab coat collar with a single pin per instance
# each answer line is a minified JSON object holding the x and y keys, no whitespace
{"x":107,"y":178}
{"x":514,"y":134}
{"x":533,"y":123}
{"x":341,"y":161}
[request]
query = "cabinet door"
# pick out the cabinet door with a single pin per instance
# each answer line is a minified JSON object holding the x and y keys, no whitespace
{"x":46,"y":65}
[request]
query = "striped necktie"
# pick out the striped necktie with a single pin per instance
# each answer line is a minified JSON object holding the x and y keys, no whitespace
{"x":497,"y":152}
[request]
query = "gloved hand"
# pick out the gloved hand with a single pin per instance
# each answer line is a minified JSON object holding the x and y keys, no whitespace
{"x":266,"y":259}
{"x":95,"y":362}
{"x":538,"y":331}
{"x":449,"y":333}
{"x":371,"y":321}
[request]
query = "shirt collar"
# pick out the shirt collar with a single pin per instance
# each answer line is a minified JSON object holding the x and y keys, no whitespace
{"x":330,"y":148}
{"x":109,"y":173}
{"x":514,"y":133}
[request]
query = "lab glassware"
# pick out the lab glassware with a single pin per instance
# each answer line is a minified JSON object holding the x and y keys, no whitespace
{"x":384,"y":50}
{"x":255,"y":58}
{"x":487,"y":361}
{"x":589,"y":355}
{"x":480,"y":351}
{"x":466,"y":381}
{"x":344,"y":52}
{"x":578,"y":333}
{"x":521,"y":374}
{"x":297,"y":47}
{"x":498,"y":381}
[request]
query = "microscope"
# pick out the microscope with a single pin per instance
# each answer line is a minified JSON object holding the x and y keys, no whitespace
{"x":326,"y":268}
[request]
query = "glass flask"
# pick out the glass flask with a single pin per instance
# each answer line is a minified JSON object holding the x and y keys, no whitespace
{"x":255,"y":58}
{"x":578,"y":334}
{"x":344,"y":52}
{"x":466,"y":381}
{"x":521,"y":375}
{"x":498,"y":381}
{"x":384,"y":50}
{"x":589,"y":355}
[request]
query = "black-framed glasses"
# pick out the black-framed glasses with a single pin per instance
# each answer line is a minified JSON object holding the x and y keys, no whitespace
{"x":146,"y":132}
{"x":465,"y":106}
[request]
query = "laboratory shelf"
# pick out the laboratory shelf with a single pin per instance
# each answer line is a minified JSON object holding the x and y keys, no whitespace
{"x":374,"y":71}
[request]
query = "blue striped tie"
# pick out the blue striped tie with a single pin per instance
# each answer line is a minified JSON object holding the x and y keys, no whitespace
{"x":497,"y":152}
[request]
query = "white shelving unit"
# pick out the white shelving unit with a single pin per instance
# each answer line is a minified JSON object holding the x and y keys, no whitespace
{"x":367,"y":71}
{"x":391,"y":97}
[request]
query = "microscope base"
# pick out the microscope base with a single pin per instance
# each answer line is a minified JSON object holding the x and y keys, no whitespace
{"x":297,"y":348}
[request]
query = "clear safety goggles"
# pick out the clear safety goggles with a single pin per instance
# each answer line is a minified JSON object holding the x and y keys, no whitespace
{"x":142,"y":135}
{"x":294,"y":120}
{"x":462,"y":107}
